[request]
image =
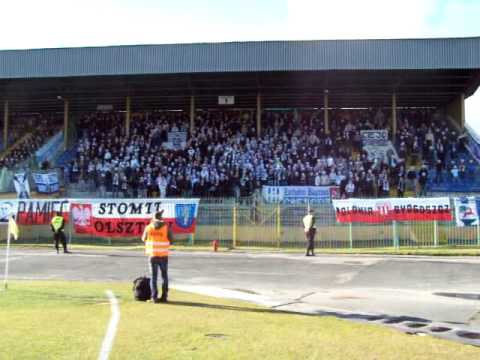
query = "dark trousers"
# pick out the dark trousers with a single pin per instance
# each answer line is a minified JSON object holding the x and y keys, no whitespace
{"x":60,"y":237}
{"x":310,"y":236}
{"x":162,"y":263}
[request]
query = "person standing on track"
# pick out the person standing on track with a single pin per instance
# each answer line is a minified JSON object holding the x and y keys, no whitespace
{"x":57,"y":224}
{"x":310,"y":230}
{"x":157,"y":238}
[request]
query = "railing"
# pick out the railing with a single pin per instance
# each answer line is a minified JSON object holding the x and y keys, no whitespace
{"x":279,"y":226}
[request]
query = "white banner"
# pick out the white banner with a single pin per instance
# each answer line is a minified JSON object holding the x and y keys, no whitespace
{"x":22,"y":187}
{"x":393,"y":209}
{"x":466,"y":211}
{"x":177,"y":140}
{"x":374,"y":137}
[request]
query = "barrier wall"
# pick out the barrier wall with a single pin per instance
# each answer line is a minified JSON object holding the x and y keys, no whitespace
{"x":280,"y":226}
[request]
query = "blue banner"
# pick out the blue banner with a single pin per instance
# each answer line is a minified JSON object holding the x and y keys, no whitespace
{"x":47,"y":183}
{"x":299,"y":194}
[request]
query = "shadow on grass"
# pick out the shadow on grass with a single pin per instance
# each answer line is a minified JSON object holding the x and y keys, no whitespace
{"x":235,"y":308}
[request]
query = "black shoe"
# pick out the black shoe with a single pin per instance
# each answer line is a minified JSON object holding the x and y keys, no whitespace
{"x":156,"y":301}
{"x":66,"y":252}
{"x":163,"y":299}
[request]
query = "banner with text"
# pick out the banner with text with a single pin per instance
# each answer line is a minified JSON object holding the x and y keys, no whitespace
{"x":466,"y":211}
{"x":47,"y":183}
{"x":128,"y":217}
{"x":34,"y":211}
{"x":394,"y":209}
{"x":374,"y":137}
{"x":300,"y":194}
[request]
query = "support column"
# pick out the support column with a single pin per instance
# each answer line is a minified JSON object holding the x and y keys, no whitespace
{"x":127,"y":115}
{"x":325,"y":113}
{"x":394,"y":117}
{"x":456,"y":110}
{"x":192,"y":114}
{"x":65,"y":123}
{"x":259,"y":114}
{"x":5,"y":124}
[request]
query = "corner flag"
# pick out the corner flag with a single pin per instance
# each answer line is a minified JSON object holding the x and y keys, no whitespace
{"x":12,"y":231}
{"x":13,"y":228}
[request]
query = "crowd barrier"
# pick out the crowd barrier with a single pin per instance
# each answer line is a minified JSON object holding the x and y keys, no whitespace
{"x":255,"y":224}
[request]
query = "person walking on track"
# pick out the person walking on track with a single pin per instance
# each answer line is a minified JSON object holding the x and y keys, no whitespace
{"x":310,"y":230}
{"x":57,"y":224}
{"x":157,"y":238}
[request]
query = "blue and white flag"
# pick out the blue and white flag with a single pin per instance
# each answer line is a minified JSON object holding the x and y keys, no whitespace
{"x":47,"y":183}
{"x":466,"y":211}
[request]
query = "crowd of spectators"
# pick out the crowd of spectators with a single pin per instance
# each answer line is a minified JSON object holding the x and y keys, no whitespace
{"x":224,"y":156}
{"x":33,"y":130}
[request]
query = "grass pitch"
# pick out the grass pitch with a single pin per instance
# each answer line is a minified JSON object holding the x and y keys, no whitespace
{"x":67,"y":320}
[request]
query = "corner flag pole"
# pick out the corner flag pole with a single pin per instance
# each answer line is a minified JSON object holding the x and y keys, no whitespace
{"x":7,"y":256}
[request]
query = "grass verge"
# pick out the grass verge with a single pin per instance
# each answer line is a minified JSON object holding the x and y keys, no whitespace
{"x":67,"y":320}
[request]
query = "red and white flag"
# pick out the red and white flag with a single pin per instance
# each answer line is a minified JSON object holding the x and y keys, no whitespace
{"x":128,"y":217}
{"x":392,"y":209}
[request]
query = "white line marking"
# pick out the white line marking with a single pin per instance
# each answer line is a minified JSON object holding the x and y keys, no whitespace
{"x":112,"y":327}
{"x":345,"y":277}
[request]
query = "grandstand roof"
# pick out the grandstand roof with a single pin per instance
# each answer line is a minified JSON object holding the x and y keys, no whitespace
{"x":317,"y":55}
{"x":423,"y":72}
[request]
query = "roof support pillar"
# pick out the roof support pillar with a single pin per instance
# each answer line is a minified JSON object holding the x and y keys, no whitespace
{"x":192,"y":114}
{"x":128,"y":104}
{"x":5,"y":124}
{"x":259,"y":115}
{"x":394,"y":117}
{"x":66,"y":121}
{"x":456,"y":110}
{"x":325,"y":113}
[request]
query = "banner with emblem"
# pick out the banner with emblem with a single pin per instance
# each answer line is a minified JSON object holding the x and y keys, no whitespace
{"x":393,"y":209}
{"x":33,"y":211}
{"x":466,"y":211}
{"x":128,"y":217}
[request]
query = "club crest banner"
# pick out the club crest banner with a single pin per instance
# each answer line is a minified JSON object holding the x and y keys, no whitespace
{"x":128,"y":217}
{"x":392,"y":209}
{"x":466,"y":211}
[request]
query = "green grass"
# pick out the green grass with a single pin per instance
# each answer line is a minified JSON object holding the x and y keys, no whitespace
{"x":67,"y":320}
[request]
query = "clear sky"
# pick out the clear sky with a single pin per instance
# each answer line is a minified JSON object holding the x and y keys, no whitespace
{"x":61,"y":23}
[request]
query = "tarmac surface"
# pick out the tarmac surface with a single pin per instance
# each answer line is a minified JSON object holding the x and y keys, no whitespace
{"x":420,"y":295}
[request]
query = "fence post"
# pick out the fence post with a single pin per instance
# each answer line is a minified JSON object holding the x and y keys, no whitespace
{"x":350,"y":235}
{"x":279,"y":228}
{"x":192,"y":239}
{"x":478,"y":234}
{"x":234,"y":227}
{"x":396,"y":242}
{"x":435,"y":233}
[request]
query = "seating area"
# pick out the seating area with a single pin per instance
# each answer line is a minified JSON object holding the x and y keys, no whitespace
{"x":26,"y":134}
{"x":224,"y":157}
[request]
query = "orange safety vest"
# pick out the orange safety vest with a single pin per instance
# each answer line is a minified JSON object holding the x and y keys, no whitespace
{"x":157,"y":243}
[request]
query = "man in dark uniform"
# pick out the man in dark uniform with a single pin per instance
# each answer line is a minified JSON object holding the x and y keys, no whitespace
{"x":57,"y":224}
{"x":310,"y":230}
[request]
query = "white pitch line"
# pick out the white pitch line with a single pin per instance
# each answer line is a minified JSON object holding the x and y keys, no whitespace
{"x":112,"y":327}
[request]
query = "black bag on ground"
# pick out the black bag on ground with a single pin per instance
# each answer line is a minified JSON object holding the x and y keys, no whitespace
{"x":141,"y":288}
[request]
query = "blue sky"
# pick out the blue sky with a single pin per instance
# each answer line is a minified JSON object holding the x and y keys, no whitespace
{"x":60,"y":23}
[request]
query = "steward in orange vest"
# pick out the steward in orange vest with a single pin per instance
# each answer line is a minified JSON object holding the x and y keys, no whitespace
{"x":157,"y":237}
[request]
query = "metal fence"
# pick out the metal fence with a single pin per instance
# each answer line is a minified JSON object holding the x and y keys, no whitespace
{"x":254,"y":224}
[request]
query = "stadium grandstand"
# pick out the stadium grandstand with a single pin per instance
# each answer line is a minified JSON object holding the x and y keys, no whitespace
{"x":372,"y":118}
